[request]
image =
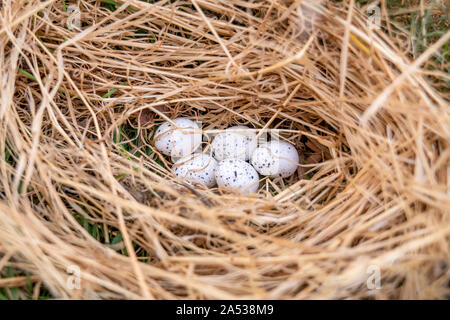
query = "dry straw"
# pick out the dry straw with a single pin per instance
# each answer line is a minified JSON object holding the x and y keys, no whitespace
{"x":372,"y":193}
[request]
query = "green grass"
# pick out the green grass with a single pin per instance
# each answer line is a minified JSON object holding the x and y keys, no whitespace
{"x":120,"y":136}
{"x":424,"y":29}
{"x":14,"y":292}
{"x":26,"y":291}
{"x":112,"y":5}
{"x":127,"y":145}
{"x":9,"y":155}
{"x":33,"y":78}
{"x":97,"y":231}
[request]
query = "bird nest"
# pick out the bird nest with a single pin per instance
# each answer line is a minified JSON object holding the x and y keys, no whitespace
{"x":90,"y":209}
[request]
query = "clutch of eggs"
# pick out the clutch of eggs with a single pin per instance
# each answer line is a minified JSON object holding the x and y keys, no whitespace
{"x":227,"y":166}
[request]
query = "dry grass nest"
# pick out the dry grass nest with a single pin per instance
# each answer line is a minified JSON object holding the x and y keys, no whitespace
{"x":82,"y":187}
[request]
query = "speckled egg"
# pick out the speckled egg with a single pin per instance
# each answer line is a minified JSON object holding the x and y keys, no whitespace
{"x":237,"y":174}
{"x":236,"y":142}
{"x":275,"y":159}
{"x":197,"y":167}
{"x":178,"y":141}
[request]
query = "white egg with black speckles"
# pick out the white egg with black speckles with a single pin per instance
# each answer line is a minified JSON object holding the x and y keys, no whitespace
{"x":276,"y":159}
{"x":237,"y":174}
{"x":236,"y":142}
{"x":178,"y":141}
{"x":197,"y":167}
